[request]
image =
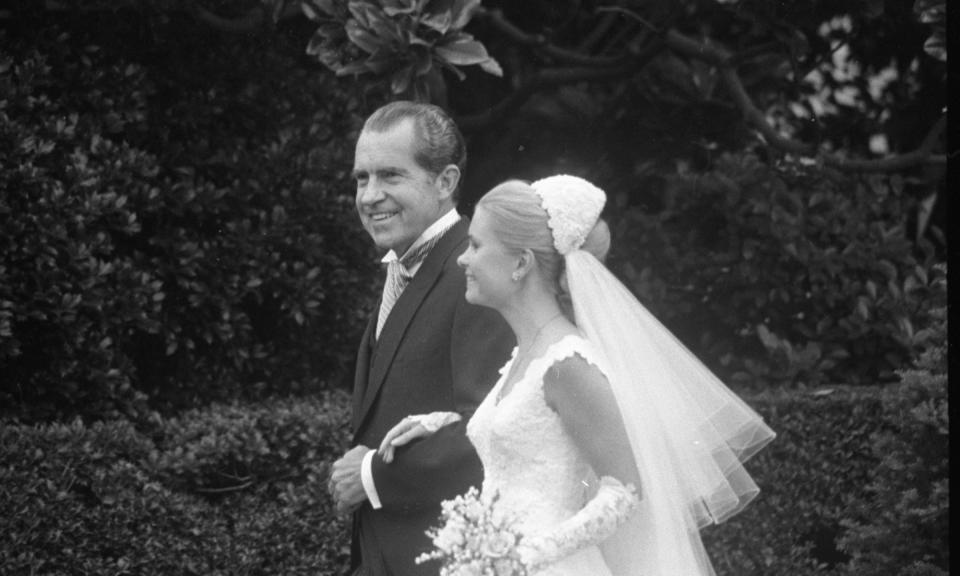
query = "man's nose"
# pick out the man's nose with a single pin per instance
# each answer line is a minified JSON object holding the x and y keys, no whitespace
{"x":370,"y":193}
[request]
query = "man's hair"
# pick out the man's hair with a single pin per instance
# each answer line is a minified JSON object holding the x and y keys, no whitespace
{"x":440,"y":142}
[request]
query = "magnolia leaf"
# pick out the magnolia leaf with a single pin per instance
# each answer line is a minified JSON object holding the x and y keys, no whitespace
{"x":415,"y":40}
{"x":424,"y":62}
{"x":386,"y":28}
{"x":463,"y":52}
{"x":395,"y":7}
{"x":316,"y":45}
{"x":382,"y":61}
{"x":352,"y":68}
{"x":400,"y":82}
{"x":327,"y":6}
{"x":491,"y":66}
{"x":439,"y":22}
{"x":462,"y":12}
{"x":362,"y":37}
{"x":361,"y":11}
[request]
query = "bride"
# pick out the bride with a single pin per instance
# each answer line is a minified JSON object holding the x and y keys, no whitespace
{"x":610,"y":442}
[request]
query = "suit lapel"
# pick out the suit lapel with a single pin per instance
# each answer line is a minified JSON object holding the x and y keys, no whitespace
{"x":402,"y":313}
{"x":362,"y":376}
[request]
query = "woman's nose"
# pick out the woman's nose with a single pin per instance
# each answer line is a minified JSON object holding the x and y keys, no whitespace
{"x":462,"y":259}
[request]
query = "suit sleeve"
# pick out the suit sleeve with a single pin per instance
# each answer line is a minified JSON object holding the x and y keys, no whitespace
{"x":445,"y":464}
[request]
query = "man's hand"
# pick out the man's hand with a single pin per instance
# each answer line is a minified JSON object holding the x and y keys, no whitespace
{"x":345,"y":485}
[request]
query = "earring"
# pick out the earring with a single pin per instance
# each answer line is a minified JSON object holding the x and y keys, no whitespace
{"x":515,"y":276}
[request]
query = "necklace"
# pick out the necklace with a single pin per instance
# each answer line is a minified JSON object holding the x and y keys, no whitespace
{"x":521,"y":359}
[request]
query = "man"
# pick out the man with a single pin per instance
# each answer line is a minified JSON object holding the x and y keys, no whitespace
{"x":425,"y":350}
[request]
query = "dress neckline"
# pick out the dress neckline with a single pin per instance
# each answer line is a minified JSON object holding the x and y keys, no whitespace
{"x":499,"y":397}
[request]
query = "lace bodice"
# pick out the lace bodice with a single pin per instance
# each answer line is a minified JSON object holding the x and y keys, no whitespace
{"x":527,"y":455}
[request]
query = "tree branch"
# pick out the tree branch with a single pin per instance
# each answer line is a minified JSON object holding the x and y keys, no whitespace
{"x":257,"y":19}
{"x":725,"y":61}
{"x":252,"y":21}
{"x":922,"y":155}
{"x":551,"y":77}
{"x":496,"y":19}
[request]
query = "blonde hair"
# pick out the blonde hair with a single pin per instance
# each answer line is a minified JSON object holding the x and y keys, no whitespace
{"x":521,"y":223}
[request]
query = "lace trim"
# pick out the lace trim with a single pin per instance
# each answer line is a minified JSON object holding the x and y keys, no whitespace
{"x":568,"y":346}
{"x":573,"y":206}
{"x":436,"y":420}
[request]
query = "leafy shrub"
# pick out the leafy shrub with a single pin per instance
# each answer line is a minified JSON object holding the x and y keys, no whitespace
{"x":67,"y":300}
{"x":93,"y":500}
{"x":227,"y":448}
{"x":406,"y":45}
{"x":809,"y":476}
{"x":171,"y":231}
{"x":107,"y":498}
{"x":782,"y":274}
{"x":902,"y":526}
{"x":77,"y":501}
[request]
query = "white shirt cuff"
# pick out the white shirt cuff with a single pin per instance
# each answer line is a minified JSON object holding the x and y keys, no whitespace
{"x":366,"y":476}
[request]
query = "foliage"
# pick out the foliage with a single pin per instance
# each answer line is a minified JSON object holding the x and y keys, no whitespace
{"x":903,"y":524}
{"x":809,"y":476}
{"x":107,"y":498}
{"x":170,"y":229}
{"x":783,"y":273}
{"x":408,"y":41}
{"x":934,"y":13}
{"x":225,"y":448}
{"x":78,"y":501}
{"x":91,"y":499}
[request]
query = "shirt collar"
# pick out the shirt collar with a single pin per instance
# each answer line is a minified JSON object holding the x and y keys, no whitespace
{"x":439,"y":226}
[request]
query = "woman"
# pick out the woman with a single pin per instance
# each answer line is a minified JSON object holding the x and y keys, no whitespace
{"x":609,"y":440}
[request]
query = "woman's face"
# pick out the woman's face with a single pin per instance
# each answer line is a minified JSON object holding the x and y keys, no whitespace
{"x":487,"y":263}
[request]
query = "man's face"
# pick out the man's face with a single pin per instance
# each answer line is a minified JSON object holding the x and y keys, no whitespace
{"x":397,"y":199}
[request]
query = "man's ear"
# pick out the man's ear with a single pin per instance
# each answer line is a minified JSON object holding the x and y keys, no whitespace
{"x":448,"y":180}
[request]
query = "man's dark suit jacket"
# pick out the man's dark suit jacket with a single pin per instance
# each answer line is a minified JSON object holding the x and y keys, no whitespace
{"x":436,"y":352}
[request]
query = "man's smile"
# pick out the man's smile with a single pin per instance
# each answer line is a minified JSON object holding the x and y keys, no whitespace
{"x":382,"y":216}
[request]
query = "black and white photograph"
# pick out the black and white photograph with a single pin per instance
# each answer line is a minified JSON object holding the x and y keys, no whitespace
{"x":474,"y":288}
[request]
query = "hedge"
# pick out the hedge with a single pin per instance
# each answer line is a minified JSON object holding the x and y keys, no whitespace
{"x":239,"y":489}
{"x":783,"y":274}
{"x":111,"y":499}
{"x":172,"y":232}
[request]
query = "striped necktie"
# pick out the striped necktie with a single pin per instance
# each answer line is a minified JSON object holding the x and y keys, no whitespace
{"x":398,"y":276}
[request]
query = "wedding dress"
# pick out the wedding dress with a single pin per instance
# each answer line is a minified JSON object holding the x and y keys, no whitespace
{"x":531,"y":463}
{"x":688,"y":433}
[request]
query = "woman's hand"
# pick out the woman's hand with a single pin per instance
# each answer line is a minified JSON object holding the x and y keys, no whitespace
{"x":408,"y":429}
{"x":411,"y":428}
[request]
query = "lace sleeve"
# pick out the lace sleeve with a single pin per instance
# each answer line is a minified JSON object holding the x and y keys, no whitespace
{"x":594,"y":523}
{"x":436,"y":420}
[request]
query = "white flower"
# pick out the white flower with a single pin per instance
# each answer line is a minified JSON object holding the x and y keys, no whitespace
{"x":498,"y":544}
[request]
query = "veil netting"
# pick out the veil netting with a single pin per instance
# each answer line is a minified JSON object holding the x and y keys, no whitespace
{"x":688,"y":432}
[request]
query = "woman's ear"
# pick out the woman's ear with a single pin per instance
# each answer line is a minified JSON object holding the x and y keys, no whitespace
{"x":525,"y":263}
{"x":448,"y":180}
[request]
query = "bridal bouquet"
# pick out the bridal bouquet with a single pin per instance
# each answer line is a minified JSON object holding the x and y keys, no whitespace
{"x":476,"y":539}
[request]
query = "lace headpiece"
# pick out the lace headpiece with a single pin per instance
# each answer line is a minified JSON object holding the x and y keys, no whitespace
{"x":573,"y":206}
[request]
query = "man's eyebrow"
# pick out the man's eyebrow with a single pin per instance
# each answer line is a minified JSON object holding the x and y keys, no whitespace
{"x":382,"y":172}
